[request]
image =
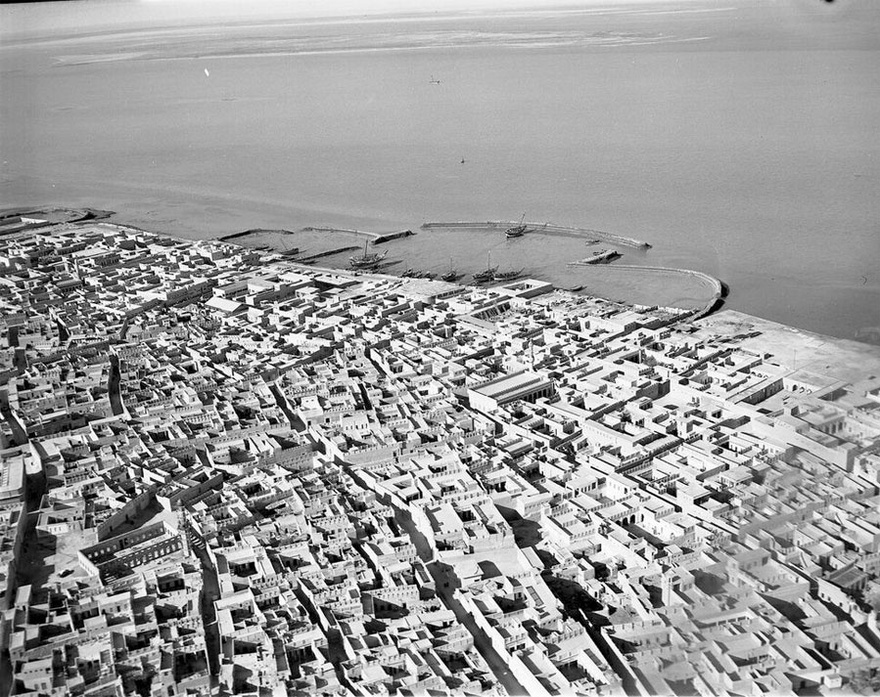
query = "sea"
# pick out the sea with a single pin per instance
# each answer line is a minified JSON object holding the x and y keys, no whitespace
{"x":740,"y":139}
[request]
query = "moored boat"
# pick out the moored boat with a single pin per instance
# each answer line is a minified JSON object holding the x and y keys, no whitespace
{"x":451,"y":275}
{"x":487,"y":275}
{"x":517,"y":230}
{"x":366,"y":260}
{"x":506,"y":275}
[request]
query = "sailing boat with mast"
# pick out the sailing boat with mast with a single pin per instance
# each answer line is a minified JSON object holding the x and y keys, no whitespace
{"x":450,"y":275}
{"x":506,"y":275}
{"x":366,"y":260}
{"x":517,"y":230}
{"x":489,"y":274}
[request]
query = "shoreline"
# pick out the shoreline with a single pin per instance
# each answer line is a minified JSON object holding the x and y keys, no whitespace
{"x":801,"y":349}
{"x":804,"y":352}
{"x":711,"y":308}
{"x":702,"y":307}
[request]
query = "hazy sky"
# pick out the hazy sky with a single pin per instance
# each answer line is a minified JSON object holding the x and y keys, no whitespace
{"x":104,"y":13}
{"x":40,"y":19}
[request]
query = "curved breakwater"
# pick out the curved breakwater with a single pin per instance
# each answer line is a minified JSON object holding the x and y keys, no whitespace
{"x":547,"y":228}
{"x":460,"y":246}
{"x":377,"y":237}
{"x":718,"y":289}
{"x":254,"y":231}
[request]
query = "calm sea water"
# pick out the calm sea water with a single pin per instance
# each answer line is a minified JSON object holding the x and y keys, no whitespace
{"x":739,"y":143}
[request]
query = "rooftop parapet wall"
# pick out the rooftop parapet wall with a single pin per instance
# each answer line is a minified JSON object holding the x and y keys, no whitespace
{"x":693,"y":476}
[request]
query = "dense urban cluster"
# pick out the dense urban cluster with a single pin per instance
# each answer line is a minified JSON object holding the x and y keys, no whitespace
{"x":223,"y":473}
